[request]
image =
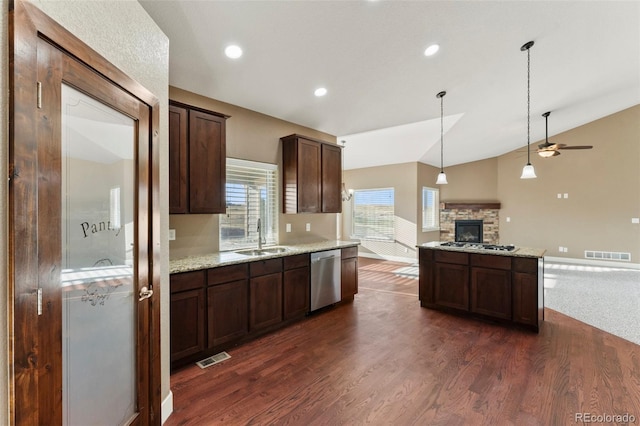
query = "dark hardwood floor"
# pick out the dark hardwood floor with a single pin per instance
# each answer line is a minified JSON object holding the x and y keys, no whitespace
{"x":383,"y":360}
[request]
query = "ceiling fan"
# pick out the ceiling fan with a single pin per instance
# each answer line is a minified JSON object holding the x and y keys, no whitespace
{"x":548,"y":149}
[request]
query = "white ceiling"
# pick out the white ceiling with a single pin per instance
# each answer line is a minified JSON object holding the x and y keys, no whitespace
{"x":381,"y":99}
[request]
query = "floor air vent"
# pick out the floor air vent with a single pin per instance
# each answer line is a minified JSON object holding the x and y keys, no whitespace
{"x":214,"y":359}
{"x":607,"y":255}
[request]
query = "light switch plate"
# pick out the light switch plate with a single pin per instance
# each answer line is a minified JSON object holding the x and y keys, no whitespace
{"x":566,"y":195}
{"x":288,"y":227}
{"x":308,"y":227}
{"x":635,"y":220}
{"x":172,"y":234}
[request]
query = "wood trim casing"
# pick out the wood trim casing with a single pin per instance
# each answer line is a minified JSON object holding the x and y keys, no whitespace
{"x":27,"y":25}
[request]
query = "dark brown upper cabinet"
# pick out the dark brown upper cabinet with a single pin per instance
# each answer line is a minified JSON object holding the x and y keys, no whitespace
{"x":312,"y":175}
{"x":197,"y":160}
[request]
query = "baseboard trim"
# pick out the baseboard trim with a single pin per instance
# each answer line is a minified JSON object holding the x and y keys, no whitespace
{"x":167,"y":407}
{"x":391,"y":258}
{"x":608,"y":263}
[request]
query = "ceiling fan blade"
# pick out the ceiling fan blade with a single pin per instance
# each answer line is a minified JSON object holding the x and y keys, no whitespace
{"x":576,"y":147}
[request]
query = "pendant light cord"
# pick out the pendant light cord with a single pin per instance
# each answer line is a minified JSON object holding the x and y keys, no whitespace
{"x":528,"y":102}
{"x":441,"y":134}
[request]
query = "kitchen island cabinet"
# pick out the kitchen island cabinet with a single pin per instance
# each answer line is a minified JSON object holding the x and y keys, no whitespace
{"x":505,"y":286}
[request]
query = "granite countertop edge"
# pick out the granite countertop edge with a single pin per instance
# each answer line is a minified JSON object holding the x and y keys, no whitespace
{"x":519,"y":252}
{"x":216,"y":259}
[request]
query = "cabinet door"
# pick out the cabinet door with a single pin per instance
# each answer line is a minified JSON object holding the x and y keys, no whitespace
{"x":207,"y":163}
{"x":349,"y":278}
{"x":331,"y":179}
{"x":309,"y":176}
{"x":525,"y":298}
{"x":178,"y":185}
{"x":452,"y":286}
{"x":187,"y":323}
{"x":265,"y":301}
{"x":491,"y":292}
{"x":296,"y":292}
{"x":228,"y":310}
{"x":426,"y":277}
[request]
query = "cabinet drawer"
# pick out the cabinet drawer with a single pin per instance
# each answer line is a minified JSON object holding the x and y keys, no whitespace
{"x":452,"y":257}
{"x":225,"y":274}
{"x":491,"y":261}
{"x":264,"y":267}
{"x":526,"y":265}
{"x":349,"y":252}
{"x":186,"y":281}
{"x":297,"y":261}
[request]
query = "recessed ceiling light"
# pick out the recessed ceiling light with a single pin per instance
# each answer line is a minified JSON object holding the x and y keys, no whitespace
{"x":431,"y":50}
{"x":233,"y":51}
{"x":321,"y":91}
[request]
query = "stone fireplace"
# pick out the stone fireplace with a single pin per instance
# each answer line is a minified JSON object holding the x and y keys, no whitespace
{"x":486,"y":214}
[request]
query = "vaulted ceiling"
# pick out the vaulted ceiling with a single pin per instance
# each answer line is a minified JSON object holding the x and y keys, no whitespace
{"x":381,"y":97}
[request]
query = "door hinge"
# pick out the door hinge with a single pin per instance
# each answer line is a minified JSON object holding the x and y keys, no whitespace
{"x":39,"y":301}
{"x":39,"y":96}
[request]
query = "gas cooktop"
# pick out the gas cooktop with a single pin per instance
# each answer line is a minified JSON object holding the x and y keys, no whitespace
{"x":478,"y":246}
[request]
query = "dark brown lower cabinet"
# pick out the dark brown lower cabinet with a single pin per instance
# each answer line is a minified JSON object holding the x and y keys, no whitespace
{"x":227,"y":312}
{"x":265,"y":294}
{"x":349,"y":278}
{"x":296,"y":277}
{"x":187,"y":314}
{"x":491,"y":292}
{"x":452,"y":286}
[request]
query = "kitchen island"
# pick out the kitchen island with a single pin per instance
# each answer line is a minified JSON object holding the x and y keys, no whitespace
{"x":500,"y":283}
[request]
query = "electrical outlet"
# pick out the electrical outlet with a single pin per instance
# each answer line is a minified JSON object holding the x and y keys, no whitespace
{"x":508,"y":219}
{"x":566,"y":195}
{"x":308,"y":227}
{"x":559,"y":195}
{"x":560,"y":249}
{"x":635,"y":220}
{"x":172,"y":234}
{"x":288,"y":226}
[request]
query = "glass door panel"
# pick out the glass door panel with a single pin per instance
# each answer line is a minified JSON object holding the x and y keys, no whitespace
{"x":99,"y":306}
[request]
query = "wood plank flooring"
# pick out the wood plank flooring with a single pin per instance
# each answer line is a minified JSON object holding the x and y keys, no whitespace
{"x":383,"y":360}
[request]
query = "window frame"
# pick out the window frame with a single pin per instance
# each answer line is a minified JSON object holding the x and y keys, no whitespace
{"x":354,"y":235}
{"x":269,"y":224}
{"x":436,"y":210}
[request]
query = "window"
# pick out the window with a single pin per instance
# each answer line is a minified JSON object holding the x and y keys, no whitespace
{"x":251,"y":194}
{"x":373,"y":214}
{"x":430,"y":209}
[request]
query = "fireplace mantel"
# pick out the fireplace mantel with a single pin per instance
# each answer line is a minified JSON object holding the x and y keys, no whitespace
{"x":473,"y":205}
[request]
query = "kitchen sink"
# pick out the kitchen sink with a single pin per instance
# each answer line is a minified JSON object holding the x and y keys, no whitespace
{"x":262,"y":252}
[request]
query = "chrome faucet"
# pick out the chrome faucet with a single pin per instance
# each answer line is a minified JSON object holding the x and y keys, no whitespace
{"x":259,"y":234}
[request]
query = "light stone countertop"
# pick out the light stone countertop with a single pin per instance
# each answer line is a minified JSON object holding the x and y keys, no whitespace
{"x":213,"y":260}
{"x":518,"y":252}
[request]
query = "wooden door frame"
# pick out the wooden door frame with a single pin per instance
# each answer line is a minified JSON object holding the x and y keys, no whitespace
{"x":27,"y":24}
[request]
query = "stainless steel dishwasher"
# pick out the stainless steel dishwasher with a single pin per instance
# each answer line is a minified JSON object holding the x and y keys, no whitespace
{"x":325,"y":278}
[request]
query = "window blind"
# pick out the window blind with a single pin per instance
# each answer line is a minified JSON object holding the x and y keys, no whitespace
{"x":430,"y":209}
{"x":373,"y":214}
{"x":251,"y":193}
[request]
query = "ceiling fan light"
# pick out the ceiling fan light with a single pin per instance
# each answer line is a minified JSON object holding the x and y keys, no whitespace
{"x":528,"y":172}
{"x":442,"y":179}
{"x":546,"y":154}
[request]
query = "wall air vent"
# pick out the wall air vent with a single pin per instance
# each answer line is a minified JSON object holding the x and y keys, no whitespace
{"x":607,"y":255}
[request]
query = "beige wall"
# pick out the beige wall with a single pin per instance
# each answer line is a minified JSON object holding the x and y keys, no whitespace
{"x":125,"y":35}
{"x":475,"y":181}
{"x":256,"y":137}
{"x":403,"y":178}
{"x":603,"y":187}
{"x":427,"y":176}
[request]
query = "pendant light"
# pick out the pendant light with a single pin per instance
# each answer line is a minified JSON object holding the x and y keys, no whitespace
{"x":346,"y":194}
{"x":527,"y":171}
{"x":442,"y":177}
